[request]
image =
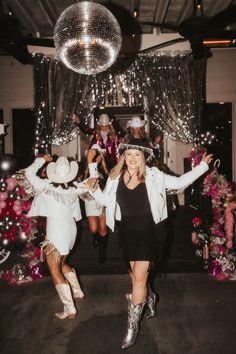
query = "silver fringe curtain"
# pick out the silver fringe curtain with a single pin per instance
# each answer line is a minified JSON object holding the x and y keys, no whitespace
{"x":170,"y":88}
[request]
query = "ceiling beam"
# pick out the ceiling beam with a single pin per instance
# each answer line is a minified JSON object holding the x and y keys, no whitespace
{"x":24,"y":16}
{"x":49,"y":11}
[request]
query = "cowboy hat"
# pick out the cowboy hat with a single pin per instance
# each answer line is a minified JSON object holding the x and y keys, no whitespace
{"x":98,"y":148}
{"x":137,"y":144}
{"x":136,"y":122}
{"x":104,"y":120}
{"x":62,"y":171}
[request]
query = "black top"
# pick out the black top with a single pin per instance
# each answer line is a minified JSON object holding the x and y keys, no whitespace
{"x":133,"y":202}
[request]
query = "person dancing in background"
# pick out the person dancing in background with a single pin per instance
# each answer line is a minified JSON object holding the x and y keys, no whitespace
{"x":57,"y":199}
{"x":96,"y":167}
{"x":103,"y":135}
{"x":136,"y":195}
{"x":135,"y":130}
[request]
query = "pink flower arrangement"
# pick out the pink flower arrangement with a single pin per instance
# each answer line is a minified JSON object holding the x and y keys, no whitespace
{"x":229,"y":223}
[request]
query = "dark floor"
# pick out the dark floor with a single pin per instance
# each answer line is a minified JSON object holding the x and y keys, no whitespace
{"x":196,"y":316}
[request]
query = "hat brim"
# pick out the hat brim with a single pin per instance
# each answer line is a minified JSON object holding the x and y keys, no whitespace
{"x":148,"y":152}
{"x":129,"y":124}
{"x":53,"y":177}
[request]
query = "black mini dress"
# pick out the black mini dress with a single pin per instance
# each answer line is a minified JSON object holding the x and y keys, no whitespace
{"x":137,"y":225}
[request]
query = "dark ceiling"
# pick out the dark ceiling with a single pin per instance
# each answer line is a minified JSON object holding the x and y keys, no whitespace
{"x":29,"y":21}
{"x":38,"y":17}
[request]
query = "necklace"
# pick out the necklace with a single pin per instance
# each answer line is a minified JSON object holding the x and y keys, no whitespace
{"x":130,"y":176}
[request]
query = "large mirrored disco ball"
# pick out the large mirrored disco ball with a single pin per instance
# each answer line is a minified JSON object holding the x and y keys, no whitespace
{"x":87,"y":38}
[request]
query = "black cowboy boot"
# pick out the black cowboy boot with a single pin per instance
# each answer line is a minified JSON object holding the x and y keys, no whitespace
{"x":134,"y":317}
{"x":95,"y":240}
{"x":102,"y":256}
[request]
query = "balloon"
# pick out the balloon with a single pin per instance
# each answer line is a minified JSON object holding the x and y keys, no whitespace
{"x":2,"y":204}
{"x":8,"y":164}
{"x":16,"y":207}
{"x":11,"y":183}
{"x":18,"y":212}
{"x":3,"y":196}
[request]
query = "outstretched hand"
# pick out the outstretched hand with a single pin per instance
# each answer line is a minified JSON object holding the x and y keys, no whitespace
{"x":90,"y":155}
{"x":207,"y":158}
{"x":47,"y":158}
{"x":91,"y":184}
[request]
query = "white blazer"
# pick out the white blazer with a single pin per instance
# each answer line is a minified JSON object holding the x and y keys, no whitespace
{"x":156,"y":183}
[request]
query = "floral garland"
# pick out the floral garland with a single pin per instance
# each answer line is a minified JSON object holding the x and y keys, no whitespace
{"x":222,"y":260}
{"x":17,"y":227}
{"x":229,"y":223}
{"x":222,"y":264}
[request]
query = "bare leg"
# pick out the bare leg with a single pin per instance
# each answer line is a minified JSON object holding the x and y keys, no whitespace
{"x":93,"y":223}
{"x":139,"y":281}
{"x":102,"y":225}
{"x":66,"y":268}
{"x":55,"y":268}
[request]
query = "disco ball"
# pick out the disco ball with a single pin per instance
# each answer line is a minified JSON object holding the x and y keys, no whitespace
{"x":87,"y":38}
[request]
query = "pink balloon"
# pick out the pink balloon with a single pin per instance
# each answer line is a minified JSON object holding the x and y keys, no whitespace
{"x":17,"y":207}
{"x":3,"y":195}
{"x":2,"y":204}
{"x":17,"y":202}
{"x":11,"y":183}
{"x":18,"y":212}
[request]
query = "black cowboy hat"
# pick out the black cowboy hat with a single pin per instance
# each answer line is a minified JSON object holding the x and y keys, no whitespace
{"x":137,"y":144}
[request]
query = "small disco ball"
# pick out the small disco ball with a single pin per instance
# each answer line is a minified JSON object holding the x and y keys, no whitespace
{"x":87,"y":38}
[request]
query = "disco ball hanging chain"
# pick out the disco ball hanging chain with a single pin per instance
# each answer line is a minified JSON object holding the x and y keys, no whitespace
{"x":87,"y":38}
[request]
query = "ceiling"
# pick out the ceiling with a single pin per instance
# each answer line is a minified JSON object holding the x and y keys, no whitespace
{"x":38,"y":17}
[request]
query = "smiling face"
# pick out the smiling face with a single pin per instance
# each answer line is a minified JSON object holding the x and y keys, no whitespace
{"x":134,"y":159}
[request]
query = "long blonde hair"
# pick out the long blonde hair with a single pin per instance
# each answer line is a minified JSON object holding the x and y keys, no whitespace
{"x":102,"y":167}
{"x":121,"y":167}
{"x":111,"y":134}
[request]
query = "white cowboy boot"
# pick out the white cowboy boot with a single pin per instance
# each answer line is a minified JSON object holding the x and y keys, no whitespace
{"x":134,"y":317}
{"x":74,"y":283}
{"x":65,"y":295}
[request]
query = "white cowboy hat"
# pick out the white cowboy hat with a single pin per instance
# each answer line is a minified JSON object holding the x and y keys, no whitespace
{"x":136,"y":122}
{"x":98,"y":147}
{"x":104,"y":119}
{"x":62,"y":171}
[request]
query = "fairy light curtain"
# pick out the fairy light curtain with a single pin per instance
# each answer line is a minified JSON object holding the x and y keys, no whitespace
{"x":170,"y":88}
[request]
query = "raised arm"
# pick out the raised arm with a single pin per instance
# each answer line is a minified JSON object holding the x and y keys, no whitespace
{"x":188,"y":178}
{"x":38,"y":183}
{"x":84,"y":128}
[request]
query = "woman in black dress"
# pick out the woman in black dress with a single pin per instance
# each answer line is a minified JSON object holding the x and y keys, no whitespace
{"x":135,"y":195}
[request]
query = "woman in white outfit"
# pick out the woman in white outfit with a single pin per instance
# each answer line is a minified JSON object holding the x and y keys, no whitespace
{"x":136,"y":195}
{"x":96,"y":167}
{"x":57,"y":199}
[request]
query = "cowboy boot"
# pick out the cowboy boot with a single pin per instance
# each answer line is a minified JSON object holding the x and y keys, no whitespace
{"x":65,"y":295}
{"x":102,"y":256}
{"x":134,"y":317}
{"x":95,"y":240}
{"x":74,"y":283}
{"x":151,"y":303}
